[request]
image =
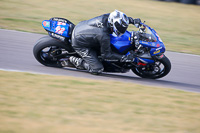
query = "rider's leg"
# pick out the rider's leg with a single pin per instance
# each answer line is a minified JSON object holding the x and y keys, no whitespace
{"x":89,"y":61}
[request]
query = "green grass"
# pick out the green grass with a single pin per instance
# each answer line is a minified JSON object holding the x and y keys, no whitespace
{"x":177,"y":24}
{"x":31,"y":103}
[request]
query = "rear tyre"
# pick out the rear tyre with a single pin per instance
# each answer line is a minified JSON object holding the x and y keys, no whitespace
{"x":153,"y":71}
{"x":48,"y":51}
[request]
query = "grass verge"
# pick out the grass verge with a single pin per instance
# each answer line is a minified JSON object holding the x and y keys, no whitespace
{"x":58,"y":104}
{"x":176,"y":23}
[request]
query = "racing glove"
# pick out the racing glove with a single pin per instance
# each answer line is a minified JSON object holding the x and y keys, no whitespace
{"x":135,"y":22}
{"x":128,"y":58}
{"x":135,"y":36}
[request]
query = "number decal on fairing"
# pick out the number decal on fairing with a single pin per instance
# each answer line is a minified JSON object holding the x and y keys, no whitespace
{"x":61,"y":23}
{"x":156,"y":52}
{"x":59,"y":30}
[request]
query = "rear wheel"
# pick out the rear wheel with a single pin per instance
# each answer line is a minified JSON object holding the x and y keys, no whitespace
{"x":48,"y":51}
{"x":156,"y":70}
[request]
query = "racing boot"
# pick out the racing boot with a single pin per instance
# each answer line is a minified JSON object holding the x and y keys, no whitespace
{"x":65,"y":62}
{"x":77,"y":62}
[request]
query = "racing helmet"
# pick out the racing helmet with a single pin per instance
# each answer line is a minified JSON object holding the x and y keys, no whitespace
{"x":118,"y":21}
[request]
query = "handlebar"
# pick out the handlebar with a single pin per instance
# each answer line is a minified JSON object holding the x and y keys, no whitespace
{"x":141,"y":34}
{"x":141,"y":30}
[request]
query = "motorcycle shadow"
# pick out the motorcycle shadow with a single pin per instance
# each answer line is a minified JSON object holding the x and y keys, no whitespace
{"x":138,"y":80}
{"x":156,"y":82}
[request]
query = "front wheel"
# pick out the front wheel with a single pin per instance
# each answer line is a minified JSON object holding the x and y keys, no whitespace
{"x":159,"y":69}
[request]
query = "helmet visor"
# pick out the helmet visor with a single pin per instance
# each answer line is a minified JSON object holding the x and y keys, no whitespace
{"x":120,"y":29}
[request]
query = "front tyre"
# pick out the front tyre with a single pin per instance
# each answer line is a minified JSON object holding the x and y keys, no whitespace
{"x":159,"y":69}
{"x":48,"y":51}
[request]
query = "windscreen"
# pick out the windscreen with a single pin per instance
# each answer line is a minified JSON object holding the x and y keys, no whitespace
{"x":150,"y":37}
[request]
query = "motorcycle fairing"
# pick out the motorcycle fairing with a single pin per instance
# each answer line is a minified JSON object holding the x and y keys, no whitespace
{"x":121,"y":43}
{"x":158,"y":46}
{"x":59,"y":26}
{"x":56,"y":27}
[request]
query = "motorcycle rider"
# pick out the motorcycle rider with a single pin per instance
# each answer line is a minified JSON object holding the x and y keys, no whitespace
{"x":93,"y":35}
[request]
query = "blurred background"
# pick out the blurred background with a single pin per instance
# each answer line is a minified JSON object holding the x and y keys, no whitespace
{"x":176,"y":23}
{"x":33,"y":103}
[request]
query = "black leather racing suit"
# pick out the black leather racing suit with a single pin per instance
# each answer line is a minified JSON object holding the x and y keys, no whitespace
{"x":91,"y":36}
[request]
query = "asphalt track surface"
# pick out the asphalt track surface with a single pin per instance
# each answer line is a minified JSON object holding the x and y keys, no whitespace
{"x":16,"y":55}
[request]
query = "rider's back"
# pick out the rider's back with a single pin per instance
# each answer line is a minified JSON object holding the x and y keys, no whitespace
{"x":91,"y":32}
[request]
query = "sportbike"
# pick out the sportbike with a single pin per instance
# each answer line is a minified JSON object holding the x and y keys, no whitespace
{"x":150,"y":61}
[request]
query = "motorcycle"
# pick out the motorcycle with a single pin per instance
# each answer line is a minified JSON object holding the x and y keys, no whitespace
{"x":150,"y":61}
